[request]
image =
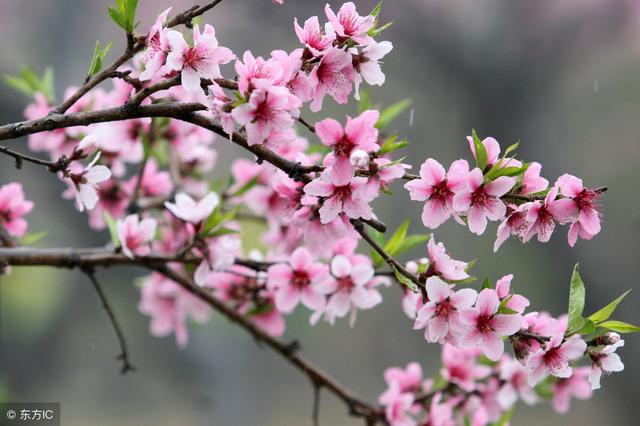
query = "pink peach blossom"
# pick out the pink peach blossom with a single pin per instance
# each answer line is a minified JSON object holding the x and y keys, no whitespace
{"x":298,"y":281}
{"x":440,"y":316}
{"x":481,"y":200}
{"x":187,"y":209}
{"x":486,"y":326}
{"x":576,"y":386}
{"x":332,"y":76}
{"x":554,"y":358}
{"x":349,"y":24}
{"x":350,"y":198}
{"x":135,"y":235}
{"x":604,"y":361}
{"x":437,"y":189}
{"x":584,"y":203}
{"x":202,"y":60}
{"x":12,"y":207}
{"x":440,"y":263}
{"x":359,"y":134}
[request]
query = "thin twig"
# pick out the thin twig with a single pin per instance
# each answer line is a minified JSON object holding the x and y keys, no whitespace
{"x":391,"y":261}
{"x":124,"y":353}
{"x":52,"y":166}
{"x":315,"y":412}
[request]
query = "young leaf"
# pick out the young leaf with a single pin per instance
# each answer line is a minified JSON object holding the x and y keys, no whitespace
{"x":481,"y":152}
{"x":397,"y":238}
{"x":373,"y":32}
{"x":576,"y":300}
{"x":604,"y":313}
{"x":402,"y":279}
{"x":28,"y":83}
{"x":511,"y":148}
{"x":376,"y":10}
{"x":486,"y":283}
{"x":111,"y":224}
{"x":391,"y":112}
{"x":365,"y":101}
{"x":412,"y":241}
{"x":246,"y":187}
{"x":123,"y":13}
{"x":619,"y":326}
{"x":32,"y":238}
{"x":99,"y":53}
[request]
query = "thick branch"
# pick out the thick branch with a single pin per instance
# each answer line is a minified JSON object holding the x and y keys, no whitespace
{"x":101,"y":256}
{"x":88,"y":258}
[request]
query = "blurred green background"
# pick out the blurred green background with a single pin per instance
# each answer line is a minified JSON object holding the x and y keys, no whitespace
{"x":562,"y":76}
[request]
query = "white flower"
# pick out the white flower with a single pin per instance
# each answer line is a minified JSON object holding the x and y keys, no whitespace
{"x":605,"y":361}
{"x":86,"y":183}
{"x":187,"y":209}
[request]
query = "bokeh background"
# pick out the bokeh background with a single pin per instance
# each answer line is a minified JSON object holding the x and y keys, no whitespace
{"x":562,"y":76}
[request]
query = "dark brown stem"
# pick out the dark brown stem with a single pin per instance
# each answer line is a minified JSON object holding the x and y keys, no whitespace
{"x":89,"y":258}
{"x":391,"y":261}
{"x":52,"y":166}
{"x":124,"y":353}
{"x":187,"y":16}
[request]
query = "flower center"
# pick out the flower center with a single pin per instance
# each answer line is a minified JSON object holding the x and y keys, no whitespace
{"x":483,"y":324}
{"x":441,"y":191}
{"x":300,"y":279}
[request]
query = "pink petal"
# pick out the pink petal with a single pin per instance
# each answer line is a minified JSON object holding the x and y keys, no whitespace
{"x":506,"y":325}
{"x":287,"y":298}
{"x":488,"y":302}
{"x":329,"y":131}
{"x":432,"y":172}
{"x":341,"y":266}
{"x":493,"y":346}
{"x":437,"y":290}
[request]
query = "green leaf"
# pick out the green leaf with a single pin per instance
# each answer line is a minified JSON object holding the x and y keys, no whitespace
{"x":123,"y":13}
{"x":217,"y":218}
{"x":396,"y":239}
{"x":260,"y":309}
{"x":412,"y":241}
{"x":604,"y":313}
{"x":376,"y":10}
{"x":511,"y":148}
{"x":99,"y":53}
{"x":373,"y":32}
{"x":619,"y":326}
{"x":28,"y":83}
{"x":545,"y":388}
{"x":504,"y":419}
{"x":481,"y":152}
{"x":498,"y":170}
{"x":365,"y":102}
{"x":219,"y":232}
{"x":486,"y":283}
{"x":391,"y":145}
{"x":588,"y":327}
{"x":34,"y":237}
{"x":391,"y":112}
{"x":576,"y":301}
{"x":404,"y":280}
{"x":113,"y":232}
{"x":246,"y":187}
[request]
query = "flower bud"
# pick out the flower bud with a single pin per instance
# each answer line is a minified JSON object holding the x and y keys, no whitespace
{"x":359,"y":158}
{"x":607,"y":339}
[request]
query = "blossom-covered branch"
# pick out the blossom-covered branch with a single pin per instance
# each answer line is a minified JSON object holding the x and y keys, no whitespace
{"x":138,"y":159}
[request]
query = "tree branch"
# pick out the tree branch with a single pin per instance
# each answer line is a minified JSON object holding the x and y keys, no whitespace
{"x":124,"y":353}
{"x":87,"y":259}
{"x":52,"y":166}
